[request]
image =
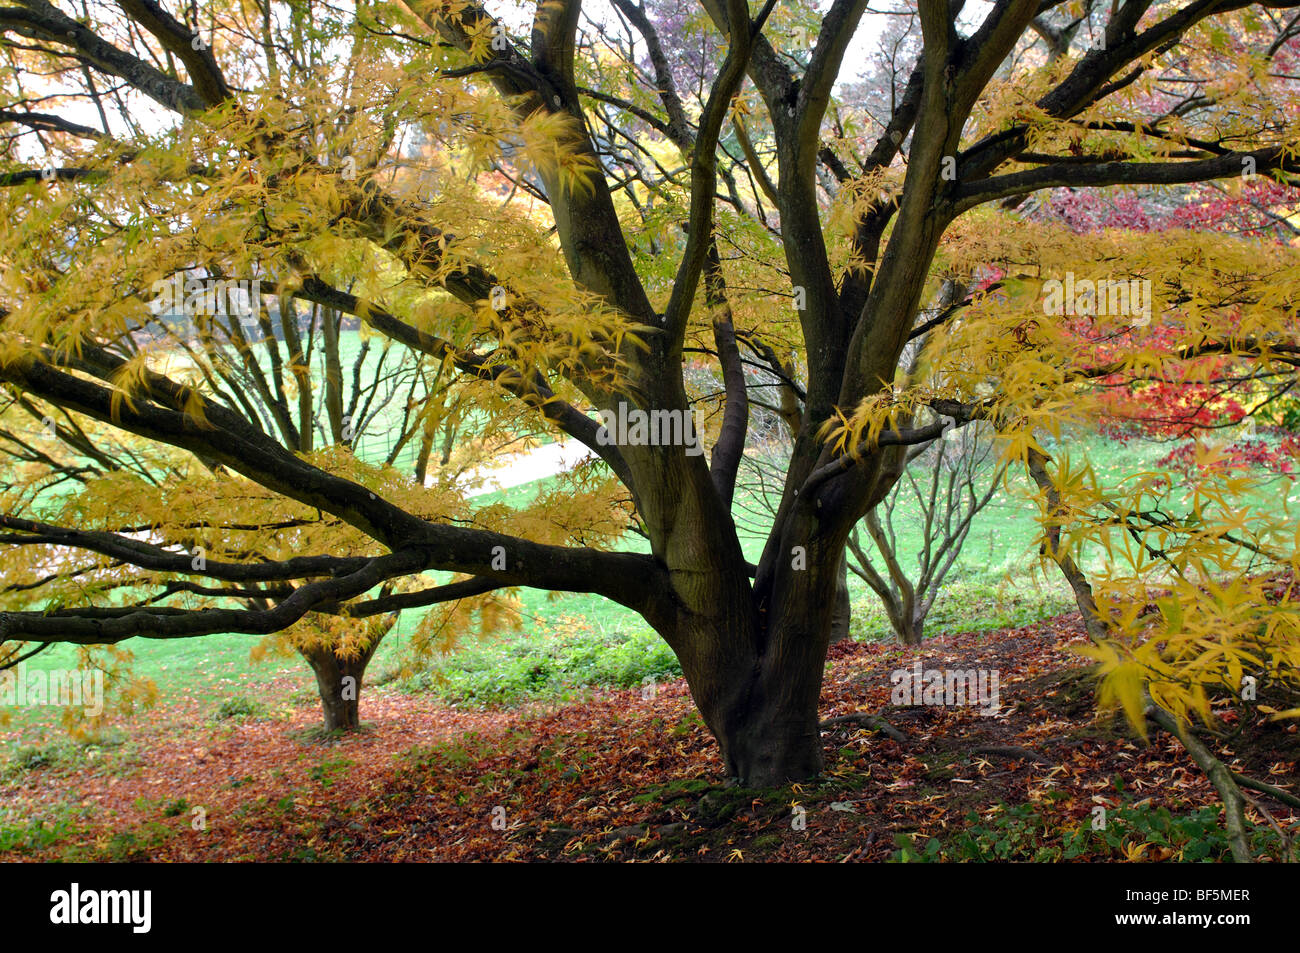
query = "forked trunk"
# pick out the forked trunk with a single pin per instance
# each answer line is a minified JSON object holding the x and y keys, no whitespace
{"x":758,"y":688}
{"x":911,"y":629}
{"x":774,"y":737}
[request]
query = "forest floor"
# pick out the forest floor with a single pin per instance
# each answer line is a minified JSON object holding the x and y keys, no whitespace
{"x":633,"y":775}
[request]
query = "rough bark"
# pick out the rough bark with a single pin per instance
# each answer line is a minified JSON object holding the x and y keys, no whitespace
{"x":338,"y":680}
{"x":756,"y":673}
{"x":843,"y":607}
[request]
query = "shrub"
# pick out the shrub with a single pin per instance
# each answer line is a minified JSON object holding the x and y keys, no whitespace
{"x":515,"y":672}
{"x":238,"y":708}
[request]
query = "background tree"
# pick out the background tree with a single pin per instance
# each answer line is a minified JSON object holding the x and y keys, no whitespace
{"x":312,"y":377}
{"x":956,"y":481}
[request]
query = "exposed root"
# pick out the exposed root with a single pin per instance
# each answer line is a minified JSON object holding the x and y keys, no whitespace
{"x":1013,"y":751}
{"x":863,"y":720}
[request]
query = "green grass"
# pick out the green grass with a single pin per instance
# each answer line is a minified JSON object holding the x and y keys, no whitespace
{"x":211,"y":669}
{"x":975,"y":602}
{"x":556,"y":667}
{"x":239,"y":708}
{"x":27,"y":836}
{"x":111,"y":752}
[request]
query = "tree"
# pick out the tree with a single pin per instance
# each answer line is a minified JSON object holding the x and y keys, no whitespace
{"x":304,"y":375}
{"x":592,"y":308}
{"x":956,"y":483}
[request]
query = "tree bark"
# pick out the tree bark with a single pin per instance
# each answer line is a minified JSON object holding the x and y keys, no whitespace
{"x":843,"y":607}
{"x":912,"y":628}
{"x":755,"y":671}
{"x":338,"y":680}
{"x":767,"y":723}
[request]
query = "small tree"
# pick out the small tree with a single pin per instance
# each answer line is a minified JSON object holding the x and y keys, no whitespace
{"x":944,"y":486}
{"x":338,"y":651}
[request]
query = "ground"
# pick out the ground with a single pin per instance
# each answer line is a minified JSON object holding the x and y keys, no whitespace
{"x":633,"y":774}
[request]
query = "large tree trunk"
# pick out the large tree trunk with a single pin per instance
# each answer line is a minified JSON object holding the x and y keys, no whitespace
{"x":765,"y":715}
{"x":773,"y":737}
{"x":756,"y":673}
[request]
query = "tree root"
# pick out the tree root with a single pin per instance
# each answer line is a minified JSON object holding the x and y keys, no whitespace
{"x":1012,"y":751}
{"x":863,"y":720}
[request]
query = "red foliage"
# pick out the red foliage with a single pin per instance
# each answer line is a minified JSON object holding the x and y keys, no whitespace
{"x":1243,"y":455}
